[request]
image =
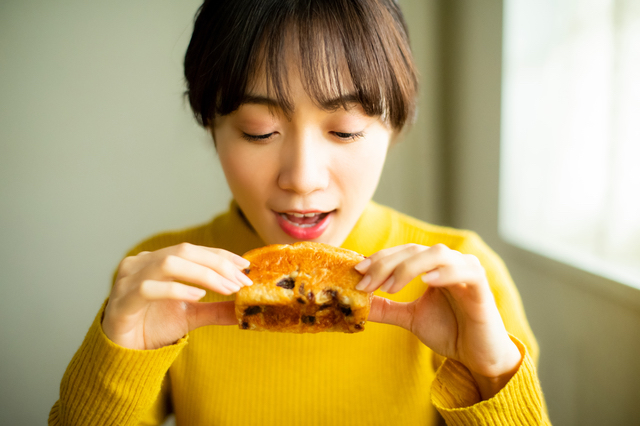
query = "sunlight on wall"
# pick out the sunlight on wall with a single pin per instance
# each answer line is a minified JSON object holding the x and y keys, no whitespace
{"x":570,"y":177}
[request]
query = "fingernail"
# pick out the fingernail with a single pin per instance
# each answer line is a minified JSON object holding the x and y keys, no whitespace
{"x":241,"y":262}
{"x":388,"y":284}
{"x":363,"y":283}
{"x":430,"y":276}
{"x":363,"y":266}
{"x":197,"y":293}
{"x":234,"y":286}
{"x":244,"y":280}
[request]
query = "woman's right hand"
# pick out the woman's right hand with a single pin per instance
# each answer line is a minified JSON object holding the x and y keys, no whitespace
{"x":151,"y":305}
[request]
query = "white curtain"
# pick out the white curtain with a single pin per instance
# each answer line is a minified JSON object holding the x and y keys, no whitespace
{"x":570,"y":176}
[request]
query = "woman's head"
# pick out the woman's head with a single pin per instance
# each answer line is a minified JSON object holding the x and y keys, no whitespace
{"x":342,"y":48}
{"x":302,"y":98}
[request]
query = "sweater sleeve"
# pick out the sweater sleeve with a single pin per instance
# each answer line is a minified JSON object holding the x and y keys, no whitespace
{"x":106,"y":384}
{"x":161,"y":408}
{"x":521,"y":402}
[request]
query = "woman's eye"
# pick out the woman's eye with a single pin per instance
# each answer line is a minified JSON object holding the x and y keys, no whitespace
{"x":257,"y":138}
{"x":349,"y":136}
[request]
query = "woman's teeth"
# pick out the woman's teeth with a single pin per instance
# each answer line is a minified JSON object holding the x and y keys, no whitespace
{"x":303,"y":220}
{"x":303,"y":215}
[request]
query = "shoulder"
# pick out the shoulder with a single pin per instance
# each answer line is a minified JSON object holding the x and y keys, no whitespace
{"x":410,"y":230}
{"x":406,"y":229}
{"x":228,"y":230}
{"x":198,"y":235}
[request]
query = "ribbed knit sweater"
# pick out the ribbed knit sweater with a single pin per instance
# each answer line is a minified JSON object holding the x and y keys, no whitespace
{"x":221,"y":375}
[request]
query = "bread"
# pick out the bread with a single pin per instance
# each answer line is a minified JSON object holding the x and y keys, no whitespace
{"x":302,"y":288}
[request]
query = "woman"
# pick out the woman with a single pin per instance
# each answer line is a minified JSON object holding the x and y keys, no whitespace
{"x":303,"y":99}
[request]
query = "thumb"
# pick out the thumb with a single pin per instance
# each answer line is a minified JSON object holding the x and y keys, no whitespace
{"x":214,"y":313}
{"x":387,"y":311}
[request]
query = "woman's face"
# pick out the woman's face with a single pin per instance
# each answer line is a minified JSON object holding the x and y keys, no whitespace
{"x":307,"y":177}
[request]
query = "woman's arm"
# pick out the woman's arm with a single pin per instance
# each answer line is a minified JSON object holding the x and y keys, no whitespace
{"x":469,"y":314}
{"x":116,"y":374}
{"x":107,"y":384}
{"x":456,"y":316}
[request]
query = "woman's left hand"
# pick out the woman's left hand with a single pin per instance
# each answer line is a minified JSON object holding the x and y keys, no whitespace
{"x":456,"y":317}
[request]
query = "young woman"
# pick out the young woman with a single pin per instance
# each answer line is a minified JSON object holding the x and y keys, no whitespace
{"x":303,"y":99}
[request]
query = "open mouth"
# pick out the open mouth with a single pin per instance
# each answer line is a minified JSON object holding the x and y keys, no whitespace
{"x":304,"y":220}
{"x":304,"y":226}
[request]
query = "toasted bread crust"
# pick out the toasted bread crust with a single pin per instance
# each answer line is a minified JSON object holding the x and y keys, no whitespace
{"x":302,"y":288}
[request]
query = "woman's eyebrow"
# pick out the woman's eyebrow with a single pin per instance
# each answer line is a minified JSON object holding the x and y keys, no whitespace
{"x":259,"y":100}
{"x":340,"y":101}
{"x":326,"y":104}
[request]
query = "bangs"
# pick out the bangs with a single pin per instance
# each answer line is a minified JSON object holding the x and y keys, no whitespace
{"x":346,"y":51}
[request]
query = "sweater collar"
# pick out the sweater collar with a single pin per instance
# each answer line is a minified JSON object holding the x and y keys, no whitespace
{"x":371,"y":233}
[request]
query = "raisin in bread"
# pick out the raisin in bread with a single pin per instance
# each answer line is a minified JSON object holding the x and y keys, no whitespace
{"x":302,"y":288}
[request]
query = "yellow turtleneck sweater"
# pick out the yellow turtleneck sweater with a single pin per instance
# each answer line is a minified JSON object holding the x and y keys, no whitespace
{"x":221,"y":375}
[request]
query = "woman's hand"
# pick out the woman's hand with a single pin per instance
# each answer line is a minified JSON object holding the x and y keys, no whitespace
{"x":150,"y":305}
{"x":456,"y":316}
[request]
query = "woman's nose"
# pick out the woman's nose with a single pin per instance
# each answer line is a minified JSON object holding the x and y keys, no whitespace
{"x":304,"y":165}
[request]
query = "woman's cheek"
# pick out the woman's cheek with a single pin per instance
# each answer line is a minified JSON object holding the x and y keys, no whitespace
{"x":241,"y":169}
{"x":369,"y":161}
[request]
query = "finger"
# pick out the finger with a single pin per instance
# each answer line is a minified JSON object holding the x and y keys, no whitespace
{"x":468,"y":274}
{"x":215,"y":313}
{"x":150,"y":290}
{"x":218,"y":275}
{"x":386,"y":311}
{"x":240,"y":261}
{"x":132,"y":264}
{"x":174,"y":268}
{"x":363,"y":266}
{"x":423,"y":261}
{"x":382,"y":270}
{"x":161,"y":290}
{"x":222,"y":261}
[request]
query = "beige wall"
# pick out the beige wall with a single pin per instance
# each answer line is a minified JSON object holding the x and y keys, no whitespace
{"x":97,"y":150}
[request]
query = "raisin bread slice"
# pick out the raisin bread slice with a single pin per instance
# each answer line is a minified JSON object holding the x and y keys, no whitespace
{"x":303,"y":288}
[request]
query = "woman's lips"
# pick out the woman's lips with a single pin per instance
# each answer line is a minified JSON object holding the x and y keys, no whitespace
{"x":304,"y":226}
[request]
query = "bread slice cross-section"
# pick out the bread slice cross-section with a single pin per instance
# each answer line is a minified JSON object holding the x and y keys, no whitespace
{"x":302,"y":288}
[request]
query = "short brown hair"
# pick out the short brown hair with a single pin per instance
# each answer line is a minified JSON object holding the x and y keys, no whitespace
{"x":233,"y":39}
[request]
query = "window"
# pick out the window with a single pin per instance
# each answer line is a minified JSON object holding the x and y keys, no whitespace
{"x":570,"y":177}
